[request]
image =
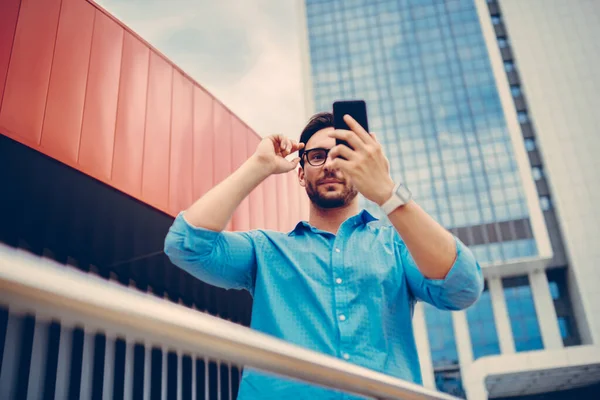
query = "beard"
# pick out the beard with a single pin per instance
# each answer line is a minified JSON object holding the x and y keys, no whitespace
{"x":340,"y":199}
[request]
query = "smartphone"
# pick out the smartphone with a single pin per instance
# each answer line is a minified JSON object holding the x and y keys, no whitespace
{"x":357,"y":109}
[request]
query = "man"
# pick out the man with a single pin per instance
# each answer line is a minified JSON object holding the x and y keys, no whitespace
{"x":342,"y":283}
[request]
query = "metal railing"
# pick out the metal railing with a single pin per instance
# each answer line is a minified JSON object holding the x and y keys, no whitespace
{"x":36,"y":291}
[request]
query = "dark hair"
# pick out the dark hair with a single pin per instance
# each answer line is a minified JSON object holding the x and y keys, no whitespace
{"x":317,"y":122}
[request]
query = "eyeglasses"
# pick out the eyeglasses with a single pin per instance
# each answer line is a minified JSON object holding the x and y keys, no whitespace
{"x":316,"y":156}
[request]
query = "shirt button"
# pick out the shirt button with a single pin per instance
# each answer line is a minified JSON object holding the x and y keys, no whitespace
{"x":337,"y":250}
{"x":346,"y":356}
{"x":338,"y":280}
{"x":342,"y":317}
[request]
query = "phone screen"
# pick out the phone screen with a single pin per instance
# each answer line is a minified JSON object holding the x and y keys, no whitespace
{"x":357,"y":109}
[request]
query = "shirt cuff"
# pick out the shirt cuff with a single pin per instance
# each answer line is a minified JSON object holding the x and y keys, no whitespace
{"x":464,"y":270}
{"x":194,"y":235}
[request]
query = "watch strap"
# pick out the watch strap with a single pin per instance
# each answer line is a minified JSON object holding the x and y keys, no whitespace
{"x":393,"y":202}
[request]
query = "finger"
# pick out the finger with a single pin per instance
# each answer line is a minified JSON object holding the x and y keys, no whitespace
{"x":342,"y":151}
{"x":341,"y":164}
{"x":286,"y":147}
{"x":356,"y":128}
{"x":349,"y":136}
{"x":300,"y":146}
{"x":290,"y":165}
{"x":296,"y":146}
{"x":278,"y":143}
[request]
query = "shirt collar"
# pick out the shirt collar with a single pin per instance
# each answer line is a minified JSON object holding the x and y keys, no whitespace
{"x":362,"y":218}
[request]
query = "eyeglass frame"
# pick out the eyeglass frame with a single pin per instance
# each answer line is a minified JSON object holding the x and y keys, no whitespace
{"x":307,"y":153}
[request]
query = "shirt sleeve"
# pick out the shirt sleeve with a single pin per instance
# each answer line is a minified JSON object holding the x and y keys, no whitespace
{"x":223,"y":259}
{"x":461,"y":287}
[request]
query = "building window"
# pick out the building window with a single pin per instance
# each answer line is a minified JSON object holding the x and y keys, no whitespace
{"x":522,"y":314}
{"x":448,"y":380}
{"x":530,"y":144}
{"x":537,"y":173}
{"x":564,"y":328}
{"x":496,"y":19}
{"x":545,"y":203}
{"x":509,"y":66}
{"x":482,"y":327}
{"x":523,"y":117}
{"x":515,"y":90}
{"x":502,"y":42}
{"x":441,"y":336}
{"x":557,"y":282}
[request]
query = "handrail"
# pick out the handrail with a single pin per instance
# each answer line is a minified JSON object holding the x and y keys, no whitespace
{"x":29,"y":283}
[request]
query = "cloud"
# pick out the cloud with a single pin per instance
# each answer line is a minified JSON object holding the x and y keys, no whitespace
{"x":245,"y":53}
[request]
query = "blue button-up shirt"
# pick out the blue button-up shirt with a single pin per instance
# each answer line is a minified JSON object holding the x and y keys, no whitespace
{"x":349,"y":295}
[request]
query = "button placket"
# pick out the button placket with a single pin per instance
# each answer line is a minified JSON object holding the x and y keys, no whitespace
{"x":338,"y":288}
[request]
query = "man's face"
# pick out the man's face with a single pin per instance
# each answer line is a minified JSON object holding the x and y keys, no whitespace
{"x":326,"y":187}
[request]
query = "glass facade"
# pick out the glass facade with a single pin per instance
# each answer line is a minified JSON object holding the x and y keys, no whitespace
{"x":423,"y":69}
{"x":444,"y":354}
{"x":482,"y":327}
{"x":522,"y":314}
{"x":441,"y":337}
{"x":557,"y":281}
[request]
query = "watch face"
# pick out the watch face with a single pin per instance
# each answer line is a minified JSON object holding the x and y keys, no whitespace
{"x":404,"y":193}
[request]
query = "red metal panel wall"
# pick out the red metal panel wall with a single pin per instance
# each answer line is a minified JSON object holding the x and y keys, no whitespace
{"x":64,"y":105}
{"x":155,"y":169}
{"x":241,"y":217}
{"x":283,"y":202}
{"x":270,"y":203}
{"x":8,"y":24}
{"x":79,"y":86}
{"x":131,"y":116}
{"x":294,"y":197}
{"x":29,"y":70}
{"x":203,"y":169}
{"x":102,"y":92}
{"x":222,"y":145}
{"x":182,"y":130}
{"x":256,"y":198}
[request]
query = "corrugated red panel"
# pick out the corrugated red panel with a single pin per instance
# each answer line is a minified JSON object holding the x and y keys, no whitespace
{"x":182,"y":130}
{"x":239,"y":132}
{"x":203,"y":167}
{"x":294,"y":194}
{"x":304,"y":205}
{"x":8,"y":24}
{"x":131,"y":116}
{"x":64,"y":108}
{"x":100,"y":109}
{"x":155,"y":169}
{"x":283,"y":203}
{"x":222,"y":145}
{"x":256,"y":198}
{"x":79,"y":86}
{"x":270,"y":203}
{"x":29,"y":70}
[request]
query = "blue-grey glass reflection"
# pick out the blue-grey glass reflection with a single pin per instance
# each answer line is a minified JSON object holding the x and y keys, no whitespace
{"x":448,"y":380}
{"x":482,"y":327}
{"x":522,"y":314}
{"x":441,"y":336}
{"x":424,"y":71}
{"x":559,"y":290}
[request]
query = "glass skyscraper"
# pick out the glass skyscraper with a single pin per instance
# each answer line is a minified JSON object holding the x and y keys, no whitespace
{"x":436,"y":76}
{"x":422,"y":68}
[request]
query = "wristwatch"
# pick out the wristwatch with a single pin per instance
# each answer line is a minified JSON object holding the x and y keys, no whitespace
{"x":400,"y":196}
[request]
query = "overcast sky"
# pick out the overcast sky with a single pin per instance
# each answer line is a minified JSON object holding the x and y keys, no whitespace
{"x":246,"y":53}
